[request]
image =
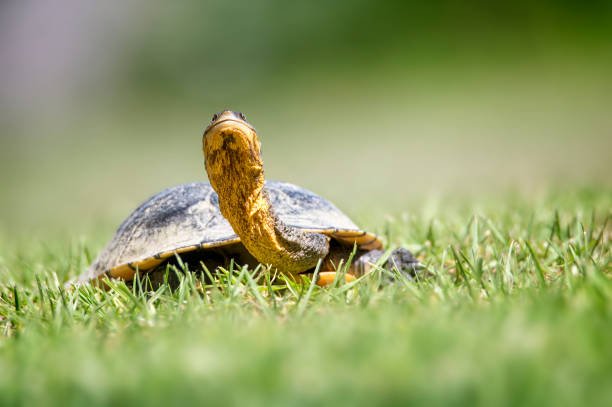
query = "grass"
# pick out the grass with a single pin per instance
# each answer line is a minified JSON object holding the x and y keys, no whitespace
{"x":516,"y":310}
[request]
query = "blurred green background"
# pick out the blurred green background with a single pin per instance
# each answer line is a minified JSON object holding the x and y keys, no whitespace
{"x":374,"y":105}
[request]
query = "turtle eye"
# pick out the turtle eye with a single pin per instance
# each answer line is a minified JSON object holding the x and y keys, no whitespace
{"x":241,"y":115}
{"x":215,"y":117}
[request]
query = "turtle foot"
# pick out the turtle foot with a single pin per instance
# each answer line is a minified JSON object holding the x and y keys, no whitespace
{"x":404,"y":262}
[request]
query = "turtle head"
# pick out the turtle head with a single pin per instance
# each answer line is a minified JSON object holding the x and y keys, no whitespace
{"x":231,"y":149}
{"x":227,"y":116}
{"x":230,"y":131}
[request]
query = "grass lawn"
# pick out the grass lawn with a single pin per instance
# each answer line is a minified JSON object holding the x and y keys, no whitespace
{"x":516,"y":310}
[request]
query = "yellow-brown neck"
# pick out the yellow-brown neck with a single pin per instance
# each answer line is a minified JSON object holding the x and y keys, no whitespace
{"x":235,"y":170}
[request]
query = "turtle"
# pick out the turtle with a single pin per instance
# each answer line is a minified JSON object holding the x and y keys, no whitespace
{"x":241,"y":217}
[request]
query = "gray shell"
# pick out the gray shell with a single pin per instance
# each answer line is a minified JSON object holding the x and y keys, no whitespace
{"x":187,"y":217}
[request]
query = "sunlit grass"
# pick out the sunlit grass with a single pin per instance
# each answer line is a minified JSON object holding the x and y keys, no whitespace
{"x":514,"y":308}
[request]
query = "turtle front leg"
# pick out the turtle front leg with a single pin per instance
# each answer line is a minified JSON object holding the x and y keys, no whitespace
{"x":400,"y":259}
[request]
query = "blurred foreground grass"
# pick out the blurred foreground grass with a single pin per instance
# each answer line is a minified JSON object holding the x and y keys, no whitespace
{"x":517,"y":311}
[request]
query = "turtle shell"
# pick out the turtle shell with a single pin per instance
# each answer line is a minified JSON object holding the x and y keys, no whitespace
{"x":187,"y":217}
